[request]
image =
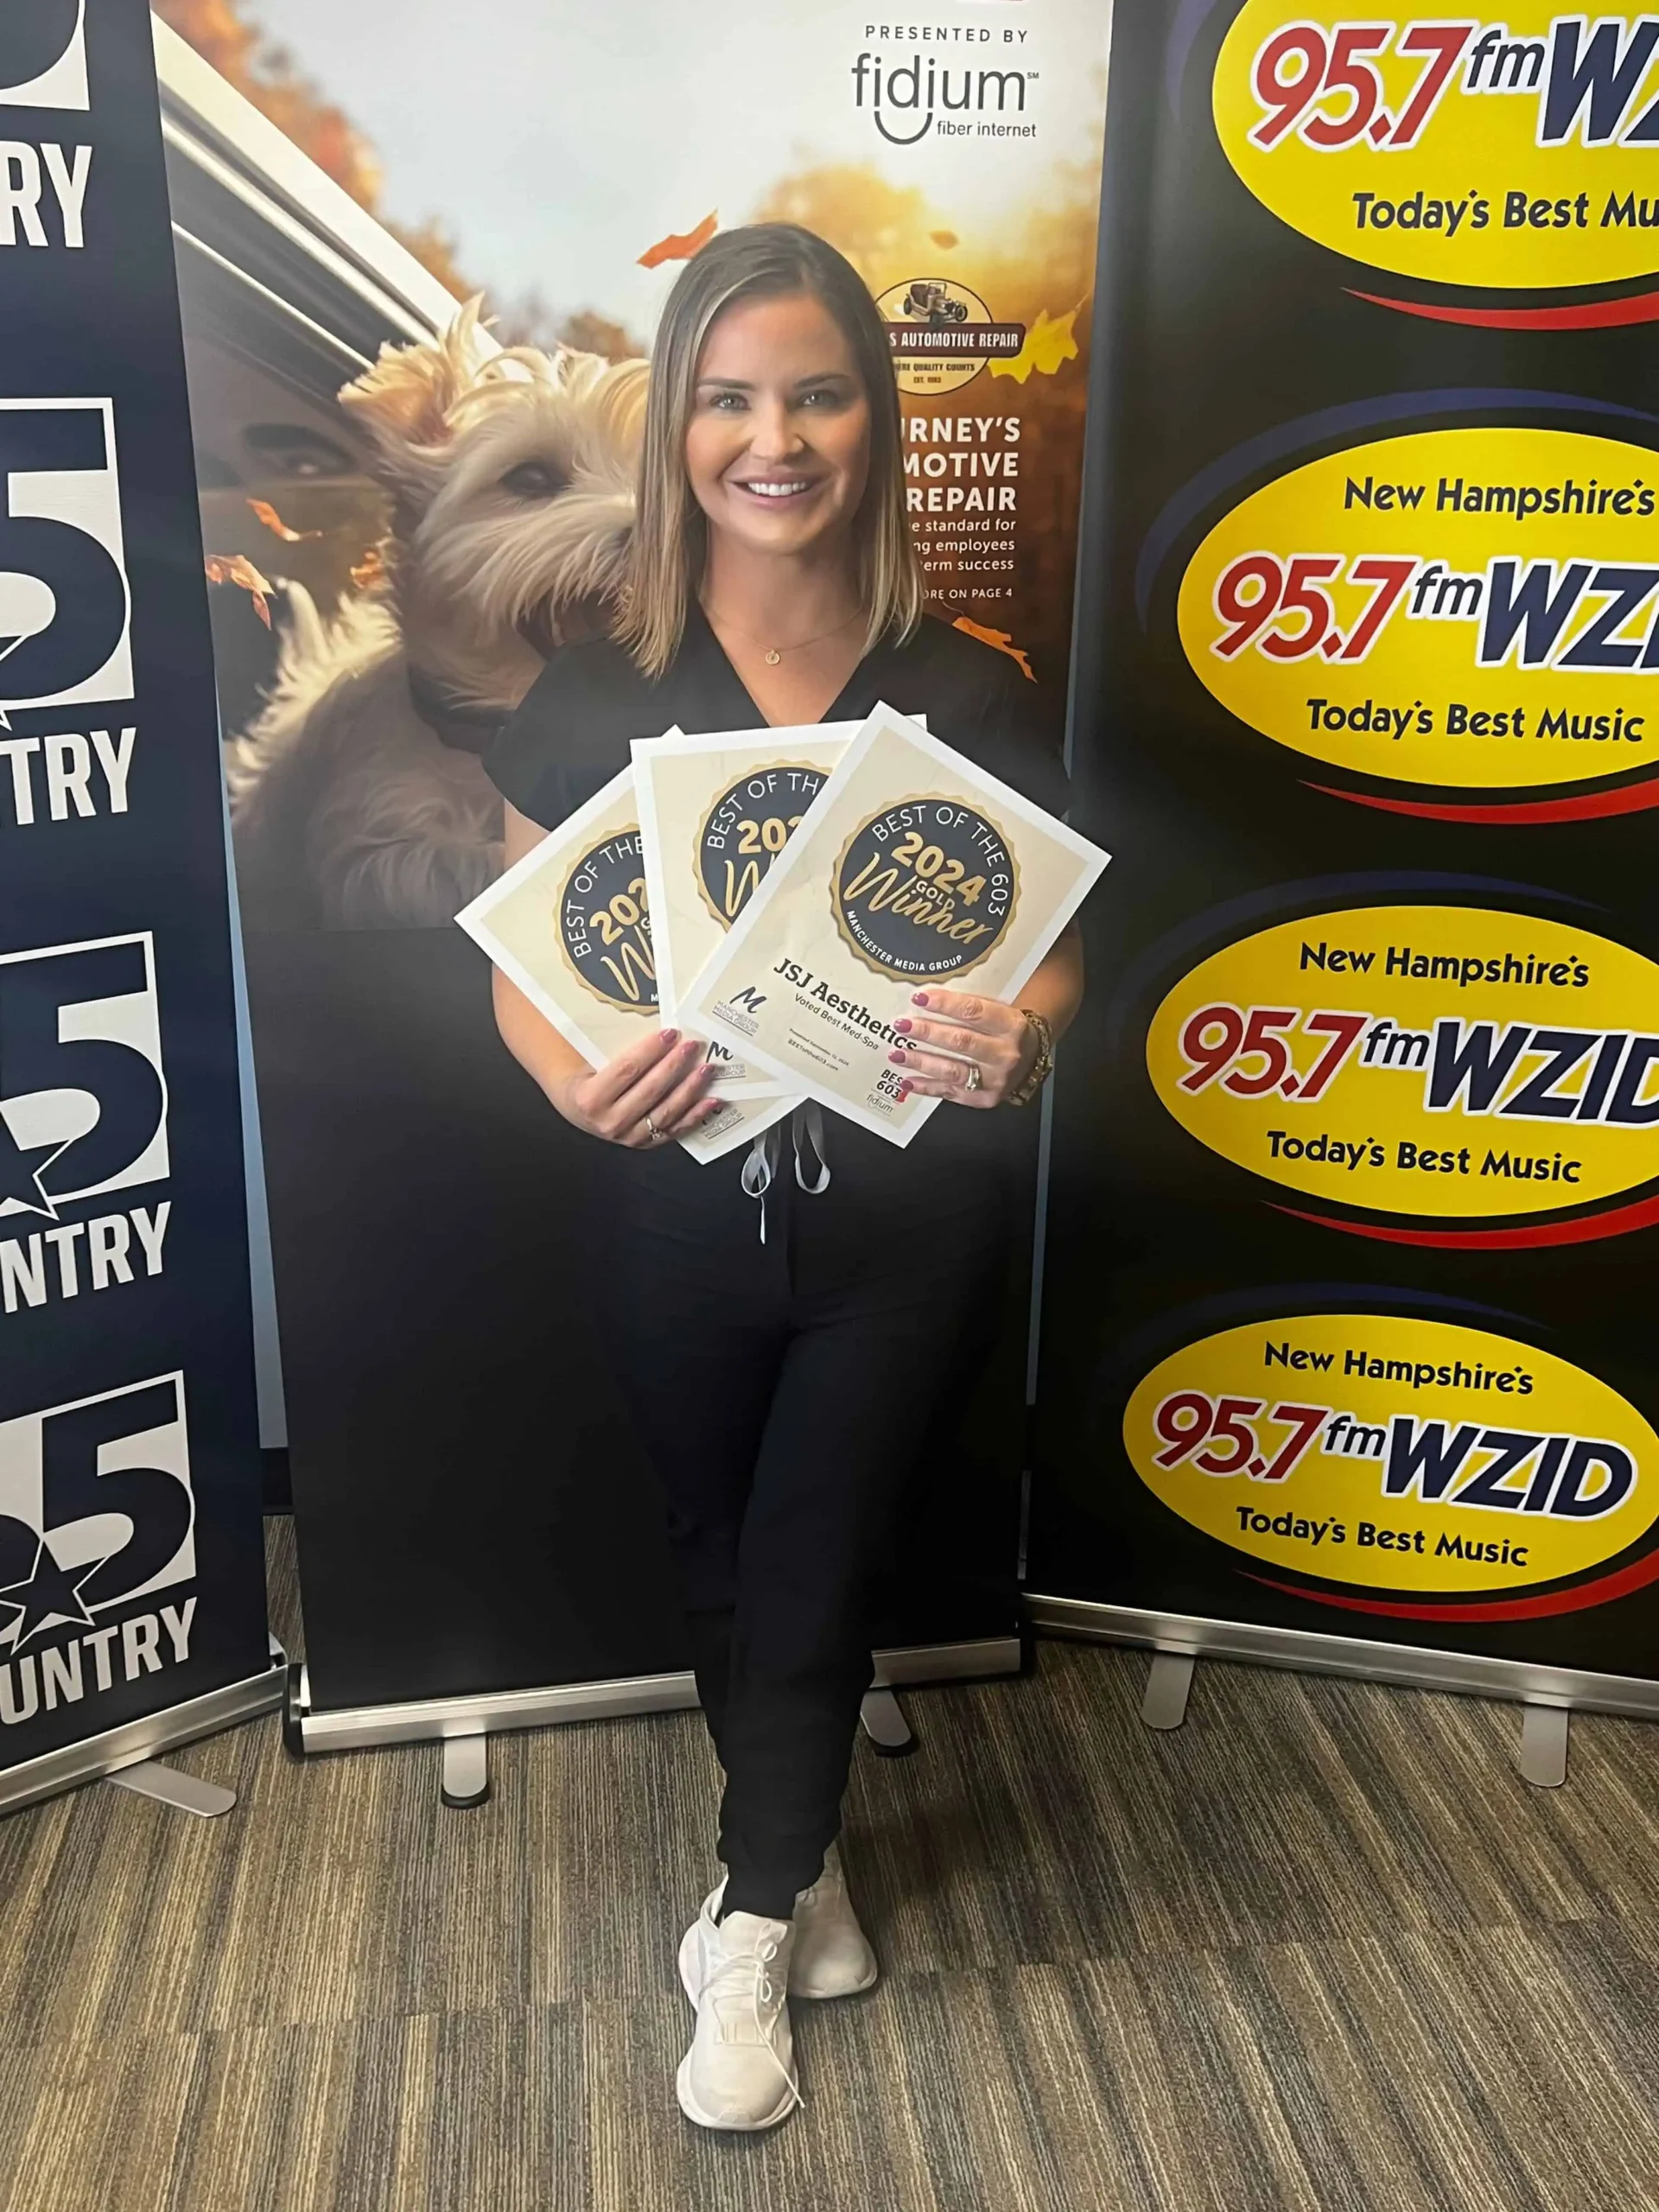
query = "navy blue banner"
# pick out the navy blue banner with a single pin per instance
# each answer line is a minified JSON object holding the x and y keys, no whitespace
{"x":131,"y":1571}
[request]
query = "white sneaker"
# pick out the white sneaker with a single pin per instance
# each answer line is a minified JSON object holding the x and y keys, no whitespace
{"x":740,"y":2070}
{"x":832,"y":1955}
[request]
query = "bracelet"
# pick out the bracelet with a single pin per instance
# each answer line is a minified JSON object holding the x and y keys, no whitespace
{"x":1042,"y":1066}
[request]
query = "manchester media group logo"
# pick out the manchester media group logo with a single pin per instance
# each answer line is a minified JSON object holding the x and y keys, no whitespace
{"x":43,"y":55}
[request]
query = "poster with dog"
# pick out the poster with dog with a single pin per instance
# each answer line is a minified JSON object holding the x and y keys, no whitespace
{"x":391,"y":562}
{"x":956,"y":161}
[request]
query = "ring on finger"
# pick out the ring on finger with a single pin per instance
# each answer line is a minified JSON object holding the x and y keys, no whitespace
{"x":652,"y":1131}
{"x":973,"y":1079}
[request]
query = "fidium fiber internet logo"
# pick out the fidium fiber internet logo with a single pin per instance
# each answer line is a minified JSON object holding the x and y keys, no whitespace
{"x":908,"y":99}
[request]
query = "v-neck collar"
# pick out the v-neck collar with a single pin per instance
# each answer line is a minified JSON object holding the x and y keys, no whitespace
{"x":706,"y":661}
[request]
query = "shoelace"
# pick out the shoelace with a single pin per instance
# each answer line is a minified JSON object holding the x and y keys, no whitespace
{"x":766,"y":1993}
{"x":761,"y":1165}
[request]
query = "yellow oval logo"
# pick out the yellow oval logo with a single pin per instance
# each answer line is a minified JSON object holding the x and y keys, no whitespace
{"x":1420,"y":1061}
{"x":1473,"y":607}
{"x":1395,"y":1454}
{"x":1512,"y":154}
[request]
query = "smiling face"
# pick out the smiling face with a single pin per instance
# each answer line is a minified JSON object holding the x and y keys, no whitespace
{"x":778,"y":449}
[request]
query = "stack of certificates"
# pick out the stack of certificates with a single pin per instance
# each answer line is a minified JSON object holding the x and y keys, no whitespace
{"x":783,"y":893}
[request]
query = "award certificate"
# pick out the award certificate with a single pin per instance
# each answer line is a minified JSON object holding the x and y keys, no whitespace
{"x":715,"y":812}
{"x":570,"y":925}
{"x":911,"y":867}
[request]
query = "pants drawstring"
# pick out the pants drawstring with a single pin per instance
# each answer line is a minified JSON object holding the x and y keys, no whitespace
{"x":758,"y":1169}
{"x":806,"y":1122}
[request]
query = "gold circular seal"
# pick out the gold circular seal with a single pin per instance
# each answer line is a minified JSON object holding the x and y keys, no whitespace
{"x":746,"y":829}
{"x":925,"y":889}
{"x":603,"y":925}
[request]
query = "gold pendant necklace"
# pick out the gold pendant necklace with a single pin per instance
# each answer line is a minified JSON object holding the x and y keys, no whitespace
{"x":773,"y":654}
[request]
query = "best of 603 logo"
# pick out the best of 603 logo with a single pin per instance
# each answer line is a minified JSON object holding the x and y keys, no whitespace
{"x":1455,"y":1067}
{"x":924,"y":889}
{"x":1513,"y":154}
{"x":604,"y":924}
{"x":746,"y":829}
{"x":83,"y":1098}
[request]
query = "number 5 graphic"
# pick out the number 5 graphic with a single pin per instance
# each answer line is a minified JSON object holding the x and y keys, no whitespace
{"x":64,"y":600}
{"x":97,"y":1507}
{"x":73,"y":1489}
{"x":83,"y":1101}
{"x":43,"y":55}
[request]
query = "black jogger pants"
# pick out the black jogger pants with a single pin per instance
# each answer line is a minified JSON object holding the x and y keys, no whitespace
{"x":783,"y":1390}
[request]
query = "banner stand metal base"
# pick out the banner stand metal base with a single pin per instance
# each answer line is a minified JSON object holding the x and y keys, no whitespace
{"x":465,"y":1771}
{"x":464,"y":1725}
{"x":1548,"y":1695}
{"x":1169,"y":1679}
{"x":171,"y":1785}
{"x":128,"y":1754}
{"x":1544,"y":1731}
{"x":882,"y":1719}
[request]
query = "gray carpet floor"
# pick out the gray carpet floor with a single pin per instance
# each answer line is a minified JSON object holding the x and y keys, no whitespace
{"x":1320,"y":1949}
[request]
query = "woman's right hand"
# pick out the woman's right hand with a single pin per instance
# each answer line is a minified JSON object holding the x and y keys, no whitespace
{"x":647,"y":1096}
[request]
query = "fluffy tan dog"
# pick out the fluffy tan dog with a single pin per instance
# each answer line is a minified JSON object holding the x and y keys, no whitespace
{"x":357,"y":798}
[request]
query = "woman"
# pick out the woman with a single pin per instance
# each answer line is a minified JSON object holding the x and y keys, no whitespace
{"x":783,"y":1381}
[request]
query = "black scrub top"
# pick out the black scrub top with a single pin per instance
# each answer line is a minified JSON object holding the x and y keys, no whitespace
{"x":572,"y":733}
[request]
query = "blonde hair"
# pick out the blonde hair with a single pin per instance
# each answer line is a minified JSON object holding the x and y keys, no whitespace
{"x":670,"y":538}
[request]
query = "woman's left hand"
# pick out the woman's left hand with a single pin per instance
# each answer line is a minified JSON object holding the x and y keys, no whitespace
{"x":995,"y":1040}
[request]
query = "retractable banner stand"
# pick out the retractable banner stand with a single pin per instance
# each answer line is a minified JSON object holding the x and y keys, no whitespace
{"x":1348,"y":1354}
{"x":480,"y":1542}
{"x":131,"y":1586}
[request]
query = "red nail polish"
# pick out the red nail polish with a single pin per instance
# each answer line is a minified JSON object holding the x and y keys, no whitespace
{"x":671,"y":1036}
{"x":898,"y":1059}
{"x":918,"y":998}
{"x":904,"y":1092}
{"x":903,"y":1027}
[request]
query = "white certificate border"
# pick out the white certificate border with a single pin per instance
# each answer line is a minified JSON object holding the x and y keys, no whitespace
{"x":881,"y":719}
{"x":646,"y":750}
{"x":473,"y":919}
{"x":643,"y":748}
{"x":651,"y":837}
{"x":771,"y":1103}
